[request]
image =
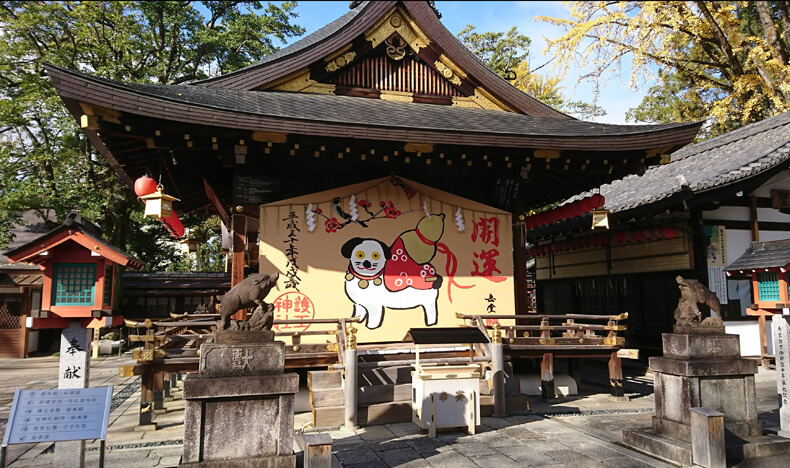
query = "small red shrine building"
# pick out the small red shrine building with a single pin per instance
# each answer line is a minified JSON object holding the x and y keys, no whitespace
{"x":79,"y":275}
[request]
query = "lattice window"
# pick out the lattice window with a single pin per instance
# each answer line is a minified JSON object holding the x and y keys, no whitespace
{"x":768,"y":286}
{"x":74,"y":283}
{"x":379,"y":72}
{"x":9,"y":312}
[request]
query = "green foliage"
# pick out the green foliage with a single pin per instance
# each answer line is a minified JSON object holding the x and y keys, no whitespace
{"x":507,"y":54}
{"x":501,"y":51}
{"x":45,"y":160}
{"x":726,"y":62}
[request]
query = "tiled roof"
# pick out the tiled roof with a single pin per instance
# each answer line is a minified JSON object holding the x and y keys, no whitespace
{"x":350,"y":110}
{"x":303,"y":43}
{"x":21,"y":278}
{"x":774,"y":254}
{"x":713,"y":163}
{"x":88,"y":229}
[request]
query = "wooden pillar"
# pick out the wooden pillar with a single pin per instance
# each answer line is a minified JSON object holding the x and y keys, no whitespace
{"x":147,"y":398}
{"x":755,"y":225}
{"x":317,"y":450}
{"x":764,"y":360}
{"x":699,"y":245}
{"x":616,"y":376}
{"x":707,"y":438}
{"x":520,"y":268}
{"x":159,"y":390}
{"x":24,"y":333}
{"x":547,"y":377}
{"x":239,"y":235}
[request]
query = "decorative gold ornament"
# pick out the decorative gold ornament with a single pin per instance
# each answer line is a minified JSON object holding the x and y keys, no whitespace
{"x":459,"y":395}
{"x":497,"y":338}
{"x":443,"y":396}
{"x":395,"y":21}
{"x":351,"y":339}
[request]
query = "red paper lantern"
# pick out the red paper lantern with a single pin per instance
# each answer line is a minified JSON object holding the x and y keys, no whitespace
{"x":173,"y":225}
{"x":144,"y":186}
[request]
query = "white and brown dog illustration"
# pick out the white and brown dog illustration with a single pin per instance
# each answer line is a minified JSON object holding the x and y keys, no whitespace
{"x":366,"y":289}
{"x":396,"y":277}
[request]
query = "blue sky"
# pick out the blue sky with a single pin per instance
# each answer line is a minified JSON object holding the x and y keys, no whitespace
{"x":615,"y":97}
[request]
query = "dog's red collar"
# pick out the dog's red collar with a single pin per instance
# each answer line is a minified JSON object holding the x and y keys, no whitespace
{"x":423,"y":238}
{"x":362,"y":277}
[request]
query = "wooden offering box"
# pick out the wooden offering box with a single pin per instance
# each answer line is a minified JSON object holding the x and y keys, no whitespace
{"x":446,"y":395}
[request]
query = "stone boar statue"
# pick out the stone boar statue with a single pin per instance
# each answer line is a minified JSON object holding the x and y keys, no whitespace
{"x":248,"y":293}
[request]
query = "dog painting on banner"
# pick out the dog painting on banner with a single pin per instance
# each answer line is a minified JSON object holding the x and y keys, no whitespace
{"x":399,"y":276}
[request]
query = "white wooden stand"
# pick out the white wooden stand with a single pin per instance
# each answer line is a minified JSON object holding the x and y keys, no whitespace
{"x":446,"y":396}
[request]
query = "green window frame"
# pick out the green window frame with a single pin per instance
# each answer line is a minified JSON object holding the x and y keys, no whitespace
{"x":768,"y":284}
{"x":73,"y":284}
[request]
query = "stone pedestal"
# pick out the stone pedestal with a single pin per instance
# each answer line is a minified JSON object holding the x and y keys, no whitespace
{"x":704,"y":369}
{"x":240,"y":406}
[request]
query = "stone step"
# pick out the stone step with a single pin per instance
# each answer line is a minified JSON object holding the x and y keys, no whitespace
{"x":749,"y":448}
{"x":665,"y":448}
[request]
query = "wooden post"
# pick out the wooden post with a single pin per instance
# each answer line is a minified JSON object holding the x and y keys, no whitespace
{"x":166,"y":389}
{"x":764,"y":361}
{"x":471,"y":413}
{"x":318,"y":450}
{"x":616,"y":376}
{"x":350,"y":374}
{"x":520,"y":268}
{"x":547,"y":377}
{"x":707,"y":438}
{"x":755,"y":224}
{"x":146,"y":421}
{"x":239,"y":235}
{"x":159,"y":391}
{"x":95,"y":348}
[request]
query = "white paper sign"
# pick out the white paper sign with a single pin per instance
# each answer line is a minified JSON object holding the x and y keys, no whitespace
{"x":717,"y":283}
{"x":57,"y":415}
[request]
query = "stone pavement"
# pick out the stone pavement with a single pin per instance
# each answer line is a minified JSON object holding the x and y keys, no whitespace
{"x":578,"y":431}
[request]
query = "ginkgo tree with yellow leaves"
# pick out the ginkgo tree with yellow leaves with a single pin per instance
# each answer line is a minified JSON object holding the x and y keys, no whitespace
{"x":729,"y":60}
{"x":507,"y":54}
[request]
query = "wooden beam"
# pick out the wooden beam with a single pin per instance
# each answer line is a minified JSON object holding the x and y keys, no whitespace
{"x":216,"y":203}
{"x":239,"y":230}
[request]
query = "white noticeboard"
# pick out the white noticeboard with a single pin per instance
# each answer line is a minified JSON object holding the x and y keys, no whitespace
{"x":58,"y":415}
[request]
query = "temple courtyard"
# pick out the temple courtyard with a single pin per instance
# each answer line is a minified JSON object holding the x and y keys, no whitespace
{"x":574,"y":431}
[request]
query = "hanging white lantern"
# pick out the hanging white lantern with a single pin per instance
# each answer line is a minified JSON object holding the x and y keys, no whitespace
{"x":159,"y":204}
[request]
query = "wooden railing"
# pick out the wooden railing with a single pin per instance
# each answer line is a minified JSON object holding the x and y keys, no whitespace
{"x":170,"y":346}
{"x":562,"y":336}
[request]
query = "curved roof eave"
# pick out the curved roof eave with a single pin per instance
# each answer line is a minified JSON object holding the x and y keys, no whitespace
{"x":371,"y":119}
{"x":345,"y":29}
